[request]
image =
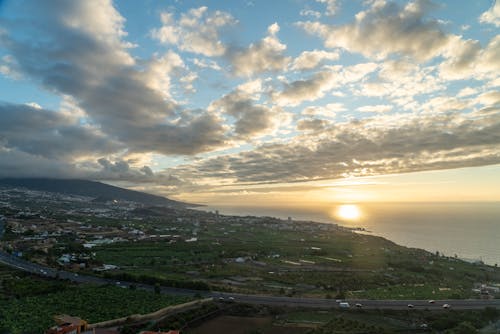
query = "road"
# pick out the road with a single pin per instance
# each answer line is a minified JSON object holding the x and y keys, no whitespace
{"x":468,"y":304}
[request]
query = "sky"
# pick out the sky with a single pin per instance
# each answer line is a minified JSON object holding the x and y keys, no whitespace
{"x":253,"y":101}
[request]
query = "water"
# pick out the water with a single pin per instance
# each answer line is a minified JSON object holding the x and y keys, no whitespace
{"x":469,"y":230}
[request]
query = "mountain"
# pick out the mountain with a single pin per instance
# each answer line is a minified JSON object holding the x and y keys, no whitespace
{"x":98,"y":190}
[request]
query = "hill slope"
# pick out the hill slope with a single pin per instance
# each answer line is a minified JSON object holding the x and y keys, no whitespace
{"x":89,"y":189}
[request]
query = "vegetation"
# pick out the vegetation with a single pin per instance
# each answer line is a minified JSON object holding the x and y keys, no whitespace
{"x":387,"y":321}
{"x":32,"y":313}
{"x":310,"y":263}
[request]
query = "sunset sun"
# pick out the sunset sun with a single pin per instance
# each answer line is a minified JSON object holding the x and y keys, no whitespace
{"x":348,"y":212}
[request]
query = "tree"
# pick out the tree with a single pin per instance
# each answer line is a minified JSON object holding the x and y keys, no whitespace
{"x":464,"y":327}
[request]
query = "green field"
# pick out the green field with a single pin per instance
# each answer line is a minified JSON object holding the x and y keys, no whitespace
{"x":29,"y":304}
{"x":313,"y":263}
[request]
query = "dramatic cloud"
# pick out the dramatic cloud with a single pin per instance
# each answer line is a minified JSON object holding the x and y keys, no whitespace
{"x":383,"y":145}
{"x":196,"y":31}
{"x":310,"y":59}
{"x":330,"y":110}
{"x":250,"y":119}
{"x":197,"y":97}
{"x":312,"y":124}
{"x":320,"y":83}
{"x":376,"y":108}
{"x":265,"y":55}
{"x":49,"y":134}
{"x":386,"y":28}
{"x":74,"y":51}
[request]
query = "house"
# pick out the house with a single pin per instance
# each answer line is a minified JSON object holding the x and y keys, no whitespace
{"x":67,"y":325}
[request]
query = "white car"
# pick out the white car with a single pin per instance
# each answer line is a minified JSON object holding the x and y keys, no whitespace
{"x":446,"y":306}
{"x":410,"y":306}
{"x":358,"y":305}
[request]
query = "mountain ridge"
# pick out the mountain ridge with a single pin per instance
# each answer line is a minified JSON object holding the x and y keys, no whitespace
{"x":90,"y":188}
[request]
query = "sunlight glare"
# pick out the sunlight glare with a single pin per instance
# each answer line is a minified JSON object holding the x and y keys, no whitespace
{"x":348,"y":212}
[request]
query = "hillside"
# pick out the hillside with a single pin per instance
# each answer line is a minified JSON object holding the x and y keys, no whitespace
{"x":90,"y":189}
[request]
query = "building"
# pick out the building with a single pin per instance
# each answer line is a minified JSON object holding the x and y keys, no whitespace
{"x":67,"y":325}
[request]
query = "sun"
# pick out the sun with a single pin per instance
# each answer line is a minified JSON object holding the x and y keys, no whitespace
{"x":348,"y":212}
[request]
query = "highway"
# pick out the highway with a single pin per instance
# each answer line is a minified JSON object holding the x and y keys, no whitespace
{"x":321,"y":303}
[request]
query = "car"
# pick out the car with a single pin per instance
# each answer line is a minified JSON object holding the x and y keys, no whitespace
{"x":358,"y":305}
{"x":431,"y":301}
{"x":338,"y":300}
{"x":344,"y":305}
{"x":410,"y":306}
{"x":231,"y":299}
{"x":221,"y":298}
{"x":446,"y":305}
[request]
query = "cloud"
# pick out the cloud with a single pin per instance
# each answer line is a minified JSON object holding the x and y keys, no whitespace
{"x":310,"y":59}
{"x":49,"y":134}
{"x":386,"y":28}
{"x":492,"y":15}
{"x":159,"y":71}
{"x":381,"y":145}
{"x":328,"y":110}
{"x":71,"y":50}
{"x":9,"y":67}
{"x":320,"y":83}
{"x":196,"y":31}
{"x":313,"y":124}
{"x":250,"y":119}
{"x":376,"y":108}
{"x":331,"y":6}
{"x":308,"y":12}
{"x":263,"y":56}
{"x":204,"y":63}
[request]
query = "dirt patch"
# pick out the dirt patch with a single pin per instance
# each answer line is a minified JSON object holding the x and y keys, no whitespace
{"x":243,"y":325}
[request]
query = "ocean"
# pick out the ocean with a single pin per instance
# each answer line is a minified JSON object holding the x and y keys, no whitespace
{"x":469,"y":230}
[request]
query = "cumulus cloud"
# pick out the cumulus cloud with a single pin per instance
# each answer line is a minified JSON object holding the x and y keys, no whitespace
{"x":329,"y":110}
{"x":49,"y":134}
{"x":386,"y":28}
{"x":375,"y":108}
{"x":309,"y":12}
{"x":492,"y":16}
{"x":310,"y":59}
{"x":196,"y":31}
{"x":74,"y":51}
{"x":313,"y":124}
{"x":381,"y":145}
{"x":320,"y":83}
{"x":9,"y":67}
{"x":251,"y":119}
{"x":265,"y":55}
{"x":331,"y":6}
{"x":159,"y":71}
